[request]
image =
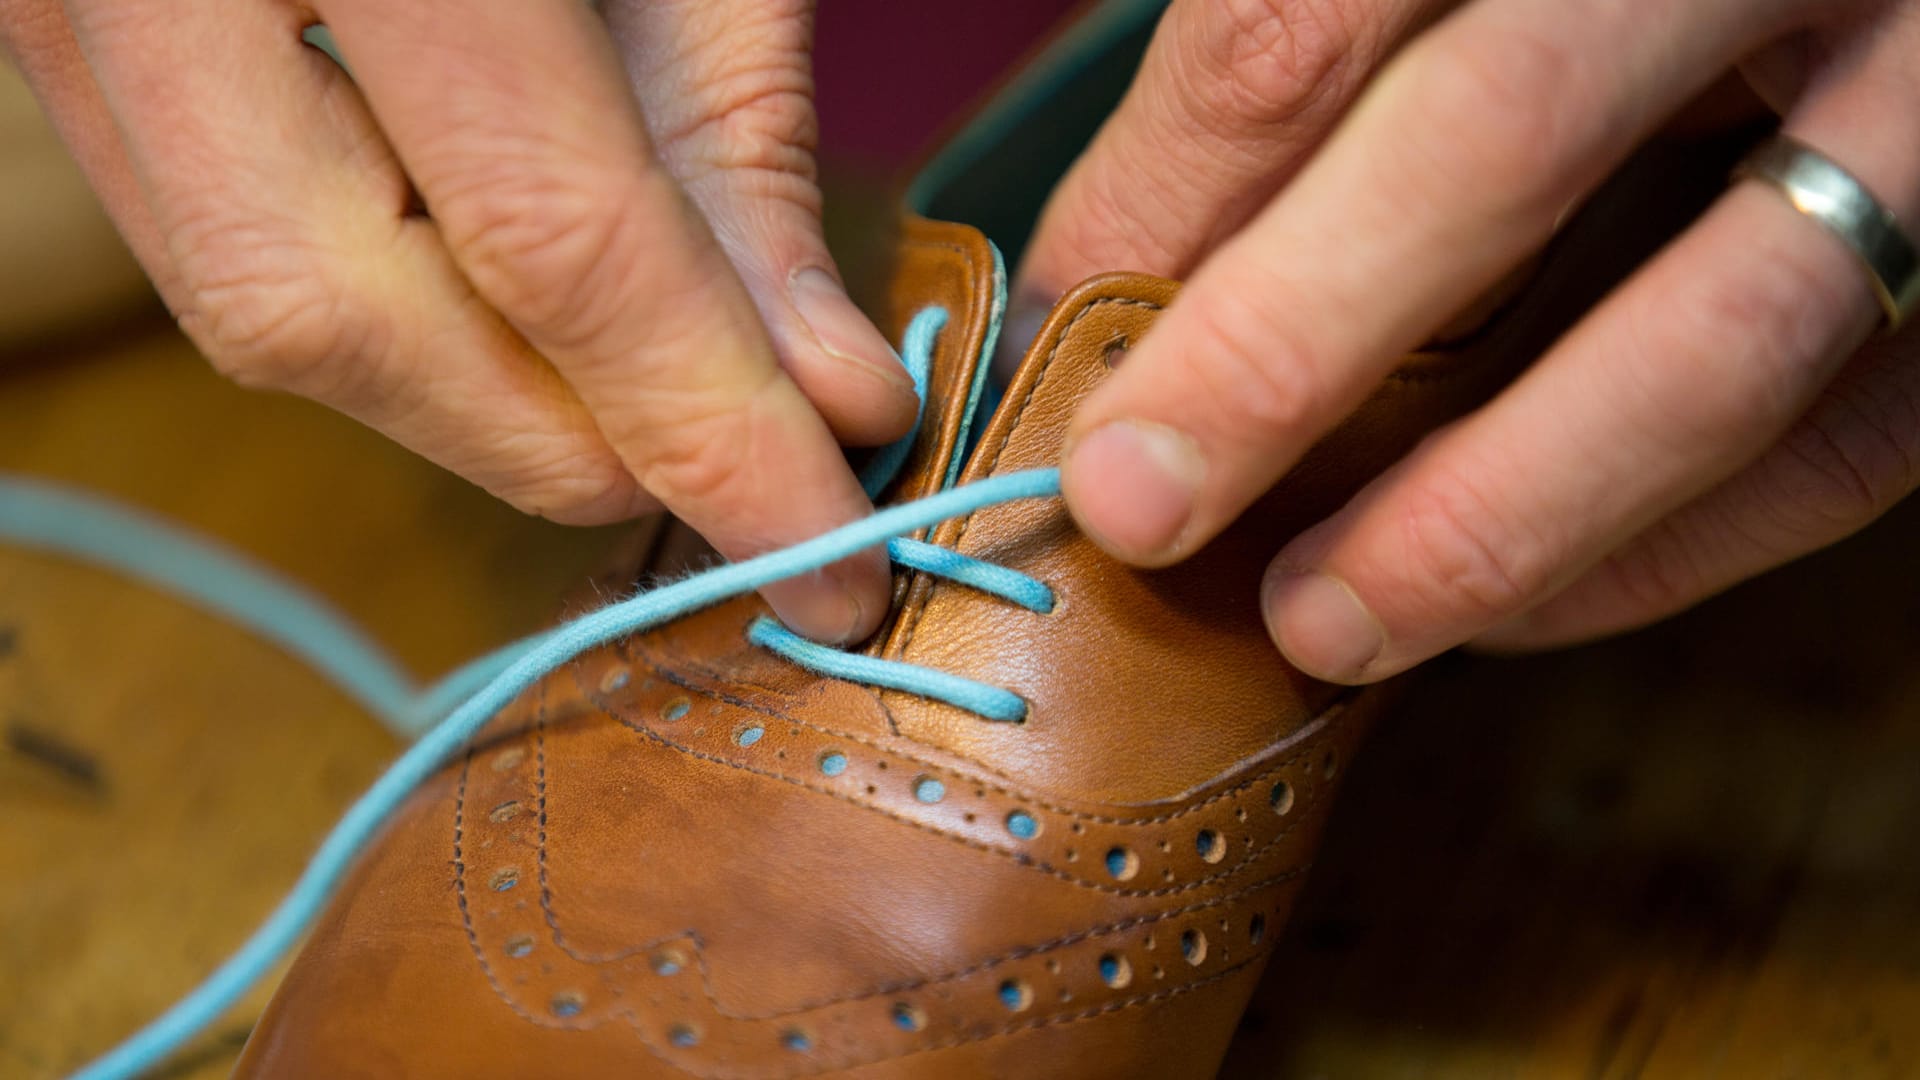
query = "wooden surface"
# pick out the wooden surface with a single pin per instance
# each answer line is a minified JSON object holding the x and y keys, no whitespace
{"x":221,"y":762}
{"x":61,"y":263}
{"x":1689,"y":853}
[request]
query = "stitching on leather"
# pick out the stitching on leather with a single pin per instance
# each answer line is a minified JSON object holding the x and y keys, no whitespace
{"x":1014,"y":953}
{"x":657,"y":663}
{"x":540,"y":809}
{"x":623,"y":1013}
{"x":1326,"y":717}
{"x":1018,"y":858}
{"x":969,"y":287}
{"x":853,"y":1061}
{"x":548,"y":914}
{"x":1019,"y":416}
{"x":1398,"y":377}
{"x":1022,"y":952}
{"x":546,"y":890}
{"x":1101,"y":1010}
{"x":628,"y":1016}
{"x":466,"y":915}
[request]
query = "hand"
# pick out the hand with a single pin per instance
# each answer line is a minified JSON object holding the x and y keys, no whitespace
{"x":1336,"y":181}
{"x":604,"y":312}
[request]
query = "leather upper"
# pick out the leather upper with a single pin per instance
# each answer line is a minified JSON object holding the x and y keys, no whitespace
{"x":685,"y":856}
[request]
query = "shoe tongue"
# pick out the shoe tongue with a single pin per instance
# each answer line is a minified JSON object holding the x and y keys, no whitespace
{"x":952,"y":269}
{"x":1140,"y":684}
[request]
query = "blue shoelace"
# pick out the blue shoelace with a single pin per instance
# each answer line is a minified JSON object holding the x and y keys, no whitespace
{"x":45,"y":517}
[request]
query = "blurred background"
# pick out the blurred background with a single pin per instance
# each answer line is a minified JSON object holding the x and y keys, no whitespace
{"x":62,"y":267}
{"x":1689,"y":852}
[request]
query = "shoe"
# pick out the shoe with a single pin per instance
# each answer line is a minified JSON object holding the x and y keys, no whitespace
{"x":689,"y":855}
{"x":1064,"y":846}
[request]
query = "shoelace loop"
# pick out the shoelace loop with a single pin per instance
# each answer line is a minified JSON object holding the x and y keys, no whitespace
{"x":983,"y":699}
{"x":44,"y":517}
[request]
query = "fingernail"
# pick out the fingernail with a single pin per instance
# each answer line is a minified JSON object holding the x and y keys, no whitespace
{"x":1321,"y":626}
{"x":842,"y":330}
{"x":1135,"y":485}
{"x":1017,"y":331}
{"x":856,"y":617}
{"x":853,"y":582}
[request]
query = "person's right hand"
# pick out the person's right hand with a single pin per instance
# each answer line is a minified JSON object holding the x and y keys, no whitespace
{"x":604,"y":312}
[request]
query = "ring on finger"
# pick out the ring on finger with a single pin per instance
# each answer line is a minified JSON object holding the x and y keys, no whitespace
{"x":1821,"y":189}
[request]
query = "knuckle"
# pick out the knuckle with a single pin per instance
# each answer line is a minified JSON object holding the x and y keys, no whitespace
{"x":1526,"y":88}
{"x":1759,"y":335}
{"x":549,"y":250}
{"x":1257,"y":373}
{"x":582,"y":488}
{"x":749,"y":100}
{"x":1855,"y":456}
{"x":1462,"y":559}
{"x":758,"y":125}
{"x":701,"y":457}
{"x":1270,"y":60}
{"x":268,"y":312}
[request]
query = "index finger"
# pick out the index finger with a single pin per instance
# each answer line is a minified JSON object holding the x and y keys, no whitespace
{"x":1451,"y":168}
{"x":516,"y":124}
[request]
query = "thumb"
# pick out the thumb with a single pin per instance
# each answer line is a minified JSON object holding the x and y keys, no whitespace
{"x":727,"y":90}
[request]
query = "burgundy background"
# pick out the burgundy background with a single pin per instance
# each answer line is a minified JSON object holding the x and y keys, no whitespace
{"x":891,"y":74}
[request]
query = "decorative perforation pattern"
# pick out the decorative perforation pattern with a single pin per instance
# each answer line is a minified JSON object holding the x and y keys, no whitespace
{"x":1245,"y":838}
{"x":1146,"y":853}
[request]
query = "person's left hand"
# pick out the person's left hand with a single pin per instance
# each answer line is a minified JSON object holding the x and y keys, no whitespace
{"x":1714,"y":417}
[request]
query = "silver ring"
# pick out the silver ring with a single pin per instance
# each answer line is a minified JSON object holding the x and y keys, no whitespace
{"x":1829,"y":194}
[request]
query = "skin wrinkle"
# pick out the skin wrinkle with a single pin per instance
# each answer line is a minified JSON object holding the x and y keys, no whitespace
{"x":1523,"y":61}
{"x":716,"y":459}
{"x":739,"y":66}
{"x":1668,"y":464}
{"x":273,"y":326}
{"x":1452,"y":550}
{"x":1674,"y":568}
{"x":1275,"y":387}
{"x":1230,"y":98}
{"x":588,"y":200}
{"x":1783,"y":295}
{"x":752,"y":229}
{"x":725,"y":464}
{"x":1761,"y":517}
{"x":381,"y":321}
{"x":1570,"y":98}
{"x":549,"y":251}
{"x":742,"y":144}
{"x":1862,"y":461}
{"x":1886,"y":395}
{"x":1280,"y":58}
{"x":771,"y":130}
{"x":1144,"y":246}
{"x":1684,"y":571}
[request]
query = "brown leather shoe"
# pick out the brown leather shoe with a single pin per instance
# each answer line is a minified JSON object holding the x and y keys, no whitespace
{"x":685,"y":855}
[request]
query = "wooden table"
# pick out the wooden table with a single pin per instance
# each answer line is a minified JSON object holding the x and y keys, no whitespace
{"x":1690,"y":853}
